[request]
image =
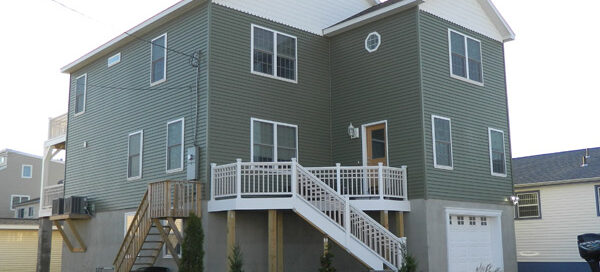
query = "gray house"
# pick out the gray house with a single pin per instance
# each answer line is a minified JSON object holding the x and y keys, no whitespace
{"x":282,"y":122}
{"x":20,"y":177}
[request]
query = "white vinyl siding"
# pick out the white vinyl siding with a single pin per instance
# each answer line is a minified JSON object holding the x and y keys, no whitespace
{"x":442,"y":142}
{"x":158,"y":59}
{"x":135,"y":150}
{"x":465,"y":57}
{"x":273,"y":141}
{"x":175,"y":140}
{"x":497,"y":152}
{"x":567,"y":211}
{"x":529,"y":205}
{"x":274,"y":54}
{"x":26,"y":171}
{"x":80,"y":93}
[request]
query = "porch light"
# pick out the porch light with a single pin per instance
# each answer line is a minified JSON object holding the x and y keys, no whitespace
{"x":514,"y":200}
{"x":352,"y":131}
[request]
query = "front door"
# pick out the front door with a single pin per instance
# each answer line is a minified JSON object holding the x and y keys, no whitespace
{"x":376,"y":144}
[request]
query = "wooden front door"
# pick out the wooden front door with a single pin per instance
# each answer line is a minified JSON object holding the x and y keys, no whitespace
{"x":376,"y":144}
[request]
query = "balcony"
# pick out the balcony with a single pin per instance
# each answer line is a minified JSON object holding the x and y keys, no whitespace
{"x":57,"y":130}
{"x":270,"y":185}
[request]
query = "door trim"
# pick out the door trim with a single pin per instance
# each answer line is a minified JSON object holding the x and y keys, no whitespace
{"x":363,"y":135}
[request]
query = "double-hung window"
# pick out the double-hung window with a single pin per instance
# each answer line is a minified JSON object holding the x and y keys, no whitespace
{"x":497,"y":156}
{"x":16,"y":199}
{"x":529,"y":205}
{"x":274,"y":54}
{"x":158,"y":51}
{"x":465,"y":57}
{"x":30,"y":212}
{"x":273,"y":141}
{"x":80,"y":93}
{"x":175,"y":145}
{"x":26,"y":171}
{"x":134,"y":156}
{"x":442,"y":142}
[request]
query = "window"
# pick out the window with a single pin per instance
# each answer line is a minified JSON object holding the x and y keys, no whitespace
{"x":450,"y":219}
{"x":3,"y":161}
{"x":460,"y":220}
{"x":26,"y":171}
{"x":16,"y":199}
{"x":529,"y":205}
{"x":597,"y":189}
{"x":372,"y":41}
{"x":442,"y":142}
{"x":158,"y":52}
{"x":465,"y":57}
{"x":134,"y":157}
{"x":116,"y":58}
{"x":497,"y":157}
{"x":472,"y":221}
{"x":273,"y":54}
{"x":21,"y":213}
{"x":30,"y":212}
{"x":128,"y":220}
{"x":273,"y":141}
{"x":483,"y":221}
{"x":80,"y":93}
{"x":175,"y":145}
{"x":173,"y":239}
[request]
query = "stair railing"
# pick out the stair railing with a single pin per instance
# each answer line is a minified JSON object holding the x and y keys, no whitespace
{"x":135,"y":237}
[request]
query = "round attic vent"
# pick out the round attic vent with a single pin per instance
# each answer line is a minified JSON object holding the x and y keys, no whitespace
{"x":372,"y":41}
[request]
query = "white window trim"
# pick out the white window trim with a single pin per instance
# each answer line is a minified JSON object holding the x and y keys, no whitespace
{"x":490,"y":152}
{"x":11,"y":200}
{"x":433,"y":141}
{"x":466,"y":79}
{"x":363,"y":133}
{"x":274,"y":75}
{"x":84,"y":94}
{"x":30,"y":172}
{"x":164,"y":65}
{"x":116,"y":62}
{"x":367,"y":39}
{"x":275,"y":146}
{"x":125,"y":221}
{"x":538,"y":205}
{"x":141,"y":132}
{"x":182,"y":145}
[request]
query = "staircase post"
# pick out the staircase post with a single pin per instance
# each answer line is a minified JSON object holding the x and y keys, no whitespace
{"x":338,"y":178}
{"x":347,"y":218}
{"x":380,"y":177}
{"x":238,"y":178}
{"x":212,"y":180}
{"x":404,"y":186}
{"x":294,"y":186}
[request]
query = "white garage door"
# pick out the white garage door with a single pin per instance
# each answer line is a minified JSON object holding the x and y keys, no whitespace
{"x":469,"y":242}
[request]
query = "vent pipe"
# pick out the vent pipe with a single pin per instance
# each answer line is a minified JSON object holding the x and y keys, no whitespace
{"x":587,"y":153}
{"x":584,"y":161}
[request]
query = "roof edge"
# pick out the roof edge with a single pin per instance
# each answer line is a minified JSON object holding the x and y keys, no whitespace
{"x":556,"y":182}
{"x":8,"y":150}
{"x":508,"y":34}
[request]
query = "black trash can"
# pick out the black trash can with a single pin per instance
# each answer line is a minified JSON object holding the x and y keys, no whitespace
{"x":589,"y":249}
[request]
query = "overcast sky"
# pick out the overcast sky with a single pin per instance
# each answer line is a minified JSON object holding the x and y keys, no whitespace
{"x":551,"y":66}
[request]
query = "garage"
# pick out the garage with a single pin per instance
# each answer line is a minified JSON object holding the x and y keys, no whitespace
{"x":474,"y":239}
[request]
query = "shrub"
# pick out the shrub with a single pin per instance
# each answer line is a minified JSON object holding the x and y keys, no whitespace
{"x":192,"y":251}
{"x":236,"y":260}
{"x":326,"y":258}
{"x":409,"y":264}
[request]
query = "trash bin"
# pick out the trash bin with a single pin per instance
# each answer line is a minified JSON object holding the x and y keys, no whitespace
{"x":589,"y":249}
{"x":152,"y":269}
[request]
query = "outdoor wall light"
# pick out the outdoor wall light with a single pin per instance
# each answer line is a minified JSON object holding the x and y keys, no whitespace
{"x":352,"y":131}
{"x":514,"y":200}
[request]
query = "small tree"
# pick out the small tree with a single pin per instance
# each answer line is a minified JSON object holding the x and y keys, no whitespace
{"x":409,"y":264}
{"x":236,"y":260}
{"x":326,"y":258}
{"x":192,"y":252}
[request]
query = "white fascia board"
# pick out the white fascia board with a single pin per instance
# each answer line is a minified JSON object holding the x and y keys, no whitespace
{"x":498,"y":20}
{"x":370,"y":17}
{"x":20,"y":153}
{"x":140,"y":29}
{"x":557,"y":182}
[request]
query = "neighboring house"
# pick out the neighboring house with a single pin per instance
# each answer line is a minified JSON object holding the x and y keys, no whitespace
{"x":27,"y":209}
{"x":18,"y":246}
{"x":20,"y":176}
{"x":558,"y":200}
{"x":402,"y":94}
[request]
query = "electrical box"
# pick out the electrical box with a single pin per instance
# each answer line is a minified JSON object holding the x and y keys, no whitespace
{"x":191,"y":161}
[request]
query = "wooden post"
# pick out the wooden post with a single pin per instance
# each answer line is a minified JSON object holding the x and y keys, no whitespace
{"x":272,"y":241}
{"x":384,"y":219}
{"x":230,"y":234}
{"x":279,"y":241}
{"x":399,"y":224}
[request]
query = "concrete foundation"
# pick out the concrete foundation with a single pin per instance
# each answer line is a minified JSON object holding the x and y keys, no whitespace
{"x":44,"y":245}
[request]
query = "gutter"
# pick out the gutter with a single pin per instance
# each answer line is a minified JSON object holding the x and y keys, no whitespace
{"x":557,"y":182}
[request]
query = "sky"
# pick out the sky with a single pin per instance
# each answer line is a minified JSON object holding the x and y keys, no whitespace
{"x":551,"y":67}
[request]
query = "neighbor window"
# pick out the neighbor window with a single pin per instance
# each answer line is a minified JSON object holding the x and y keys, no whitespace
{"x":529,"y":205}
{"x":134,"y":159}
{"x":128,"y":220}
{"x":26,"y":171}
{"x":273,"y":53}
{"x":175,"y":145}
{"x":497,"y":157}
{"x":173,"y":239}
{"x":158,"y":51}
{"x":80,"y":93}
{"x":16,"y":199}
{"x":30,"y":212}
{"x":273,"y":141}
{"x":116,"y":58}
{"x":465,"y":57}
{"x":2,"y":160}
{"x":21,"y":213}
{"x":597,"y":190}
{"x":442,"y":142}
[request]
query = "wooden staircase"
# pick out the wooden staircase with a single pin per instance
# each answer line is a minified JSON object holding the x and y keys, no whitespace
{"x":154,"y":220}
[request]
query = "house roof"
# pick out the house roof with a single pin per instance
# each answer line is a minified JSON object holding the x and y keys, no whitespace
{"x":561,"y":167}
{"x":27,"y":203}
{"x":6,"y":150}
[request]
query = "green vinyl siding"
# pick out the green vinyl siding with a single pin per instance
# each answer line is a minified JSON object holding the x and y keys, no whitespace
{"x":472,"y":109}
{"x":382,"y":85}
{"x":236,"y":94}
{"x":119,"y":101}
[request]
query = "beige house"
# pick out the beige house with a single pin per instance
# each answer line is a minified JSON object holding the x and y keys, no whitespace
{"x":20,"y":177}
{"x":27,"y":209}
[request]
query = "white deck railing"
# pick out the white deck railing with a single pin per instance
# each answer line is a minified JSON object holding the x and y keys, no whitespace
{"x":274,"y":178}
{"x":57,"y":126}
{"x":51,"y":193}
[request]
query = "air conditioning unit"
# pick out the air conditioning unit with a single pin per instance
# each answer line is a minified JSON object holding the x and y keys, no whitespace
{"x":76,"y":205}
{"x":58,"y":206}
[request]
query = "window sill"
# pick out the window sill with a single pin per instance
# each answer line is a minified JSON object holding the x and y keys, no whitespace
{"x":527,"y":218}
{"x":79,"y":113}
{"x":274,"y":77}
{"x":174,"y":170}
{"x":498,"y":175}
{"x":443,"y":167}
{"x":157,"y":82}
{"x":134,"y":178}
{"x":466,"y":80}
